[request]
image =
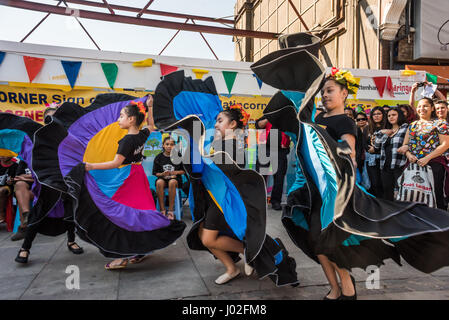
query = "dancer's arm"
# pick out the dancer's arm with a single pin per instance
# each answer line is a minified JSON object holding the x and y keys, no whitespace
{"x":350,"y":139}
{"x":117,"y":162}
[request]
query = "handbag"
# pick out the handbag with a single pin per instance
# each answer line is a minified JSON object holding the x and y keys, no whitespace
{"x":416,"y":185}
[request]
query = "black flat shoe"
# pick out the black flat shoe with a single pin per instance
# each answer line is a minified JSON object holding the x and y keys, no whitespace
{"x":79,"y":250}
{"x":354,"y":297}
{"x":20,"y":259}
{"x":329,"y":299}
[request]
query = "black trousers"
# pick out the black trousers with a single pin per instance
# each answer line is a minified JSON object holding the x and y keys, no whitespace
{"x":375,"y":179}
{"x":389,"y":178}
{"x":439,"y":172}
{"x":32,"y":232}
{"x":279,"y":176}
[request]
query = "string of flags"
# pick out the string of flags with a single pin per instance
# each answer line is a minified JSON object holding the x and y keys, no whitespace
{"x":34,"y":65}
{"x":429,"y":77}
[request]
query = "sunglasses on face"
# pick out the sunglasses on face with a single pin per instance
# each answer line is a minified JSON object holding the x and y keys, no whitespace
{"x":361,"y":119}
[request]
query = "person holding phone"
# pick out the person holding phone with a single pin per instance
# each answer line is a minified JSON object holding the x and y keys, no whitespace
{"x":416,"y":85}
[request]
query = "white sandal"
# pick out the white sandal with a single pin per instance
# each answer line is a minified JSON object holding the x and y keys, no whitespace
{"x":225,"y":277}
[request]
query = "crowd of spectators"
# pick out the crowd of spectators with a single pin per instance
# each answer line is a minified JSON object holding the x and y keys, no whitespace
{"x":390,"y":138}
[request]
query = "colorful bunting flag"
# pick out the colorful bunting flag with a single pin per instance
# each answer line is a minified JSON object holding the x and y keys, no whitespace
{"x":143,"y":63}
{"x":33,"y":66}
{"x":259,"y":82}
{"x":72,"y":69}
{"x":390,"y":86}
{"x":166,"y":69}
{"x":110,"y":71}
{"x":199,"y":73}
{"x":229,"y":77}
{"x":380,"y":84}
{"x":2,"y":56}
{"x":432,"y":78}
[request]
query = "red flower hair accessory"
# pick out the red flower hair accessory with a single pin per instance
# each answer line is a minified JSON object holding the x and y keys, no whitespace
{"x":140,"y":106}
{"x":345,"y":78}
{"x":245,"y":115}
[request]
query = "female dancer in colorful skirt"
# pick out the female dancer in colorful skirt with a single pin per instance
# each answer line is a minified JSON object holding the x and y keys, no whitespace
{"x":331,"y":218}
{"x":227,"y":202}
{"x":98,"y":150}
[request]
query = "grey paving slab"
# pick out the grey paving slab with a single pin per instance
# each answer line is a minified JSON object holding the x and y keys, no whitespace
{"x":4,"y":235}
{"x":166,"y":274}
{"x":12,"y":288}
{"x":95,"y":282}
{"x":39,"y":257}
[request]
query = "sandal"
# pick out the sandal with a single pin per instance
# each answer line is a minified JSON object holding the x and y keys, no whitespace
{"x":137,"y":259}
{"x":170,"y":215}
{"x":110,"y":266}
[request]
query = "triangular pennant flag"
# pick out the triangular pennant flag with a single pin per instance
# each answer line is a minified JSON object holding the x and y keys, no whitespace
{"x":33,"y":66}
{"x":166,"y":69}
{"x":259,"y":82}
{"x":390,"y":86}
{"x":72,"y":69}
{"x":432,"y":78}
{"x":380,"y":84}
{"x":2,"y":56}
{"x":143,"y":63}
{"x":110,"y":71}
{"x":199,"y":73}
{"x":229,"y":77}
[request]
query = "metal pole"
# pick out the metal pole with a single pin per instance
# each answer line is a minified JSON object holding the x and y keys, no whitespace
{"x":144,"y":8}
{"x":85,"y":30}
{"x":139,"y":21}
{"x":298,"y":14}
{"x":171,"y":39}
{"x":204,"y":38}
{"x":40,"y":22}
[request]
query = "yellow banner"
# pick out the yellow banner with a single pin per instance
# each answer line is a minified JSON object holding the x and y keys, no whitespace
{"x":254,"y":105}
{"x":30,"y":102}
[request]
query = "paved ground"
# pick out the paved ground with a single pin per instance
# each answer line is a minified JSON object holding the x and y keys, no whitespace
{"x":179,"y":273}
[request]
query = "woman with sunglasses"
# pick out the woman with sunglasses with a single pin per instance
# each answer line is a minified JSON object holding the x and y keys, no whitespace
{"x":361,"y":121}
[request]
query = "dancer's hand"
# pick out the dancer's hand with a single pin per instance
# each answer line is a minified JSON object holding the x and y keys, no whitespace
{"x":88,"y":166}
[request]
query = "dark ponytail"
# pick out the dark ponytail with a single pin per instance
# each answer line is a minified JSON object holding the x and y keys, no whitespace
{"x":236,"y":112}
{"x":137,"y":110}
